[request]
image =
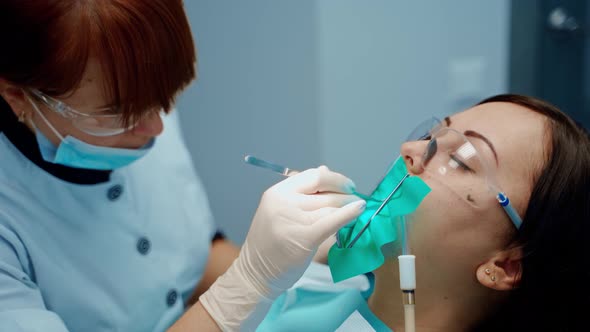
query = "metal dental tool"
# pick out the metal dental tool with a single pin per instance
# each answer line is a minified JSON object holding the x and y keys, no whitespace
{"x":358,"y":235}
{"x":268,"y":165}
{"x":285,"y":171}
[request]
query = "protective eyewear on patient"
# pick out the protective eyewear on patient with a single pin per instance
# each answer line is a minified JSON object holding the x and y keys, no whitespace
{"x":455,"y":159}
{"x":104,"y":122}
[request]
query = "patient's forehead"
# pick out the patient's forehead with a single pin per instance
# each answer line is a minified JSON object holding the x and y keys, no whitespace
{"x":519,"y":137}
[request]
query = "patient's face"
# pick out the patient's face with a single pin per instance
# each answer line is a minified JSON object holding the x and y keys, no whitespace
{"x":452,"y":234}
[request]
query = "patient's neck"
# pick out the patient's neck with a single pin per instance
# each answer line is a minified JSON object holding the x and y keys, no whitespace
{"x":439,"y":307}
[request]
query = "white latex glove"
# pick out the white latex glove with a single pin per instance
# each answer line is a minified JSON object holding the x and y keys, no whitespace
{"x":294,"y":217}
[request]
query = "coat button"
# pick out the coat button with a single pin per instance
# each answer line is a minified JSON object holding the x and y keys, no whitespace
{"x":171,"y":297}
{"x":143,"y":245}
{"x":115,"y":192}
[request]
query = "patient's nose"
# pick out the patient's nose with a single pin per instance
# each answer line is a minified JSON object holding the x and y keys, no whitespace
{"x":413,"y":153}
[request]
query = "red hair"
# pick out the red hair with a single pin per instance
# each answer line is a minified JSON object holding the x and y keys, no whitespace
{"x":145,"y":48}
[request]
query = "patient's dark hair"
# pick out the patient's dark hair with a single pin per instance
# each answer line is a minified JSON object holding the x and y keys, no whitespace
{"x":554,"y":292}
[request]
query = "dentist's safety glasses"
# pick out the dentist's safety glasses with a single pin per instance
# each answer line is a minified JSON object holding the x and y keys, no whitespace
{"x":103,"y":122}
{"x":463,"y":162}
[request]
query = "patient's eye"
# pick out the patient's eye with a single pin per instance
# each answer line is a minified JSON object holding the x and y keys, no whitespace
{"x":461,"y":164}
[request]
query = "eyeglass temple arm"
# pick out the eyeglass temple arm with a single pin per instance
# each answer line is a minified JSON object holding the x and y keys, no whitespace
{"x":512,"y":214}
{"x":47,"y":100}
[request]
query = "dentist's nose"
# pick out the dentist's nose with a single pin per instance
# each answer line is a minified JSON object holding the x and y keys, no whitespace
{"x":150,"y":126}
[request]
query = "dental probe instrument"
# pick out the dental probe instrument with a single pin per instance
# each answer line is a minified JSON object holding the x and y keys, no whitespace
{"x":358,"y":235}
{"x":285,"y":171}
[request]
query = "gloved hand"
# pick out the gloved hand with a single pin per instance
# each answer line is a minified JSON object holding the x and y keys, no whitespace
{"x":294,"y":217}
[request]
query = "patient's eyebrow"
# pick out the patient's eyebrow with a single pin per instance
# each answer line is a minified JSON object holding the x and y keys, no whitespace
{"x":475,"y":134}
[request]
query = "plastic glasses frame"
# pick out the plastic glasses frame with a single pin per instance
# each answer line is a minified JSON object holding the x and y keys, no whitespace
{"x":494,"y":188}
{"x":70,"y":113}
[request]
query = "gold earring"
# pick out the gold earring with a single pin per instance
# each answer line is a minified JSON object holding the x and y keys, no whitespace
{"x":488,"y":271}
{"x":493,"y":278}
{"x":21,"y":117}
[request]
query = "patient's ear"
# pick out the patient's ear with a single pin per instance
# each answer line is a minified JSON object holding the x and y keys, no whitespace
{"x":502,"y":271}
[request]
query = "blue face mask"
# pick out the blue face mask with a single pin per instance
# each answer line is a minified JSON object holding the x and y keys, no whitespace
{"x":73,"y":152}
